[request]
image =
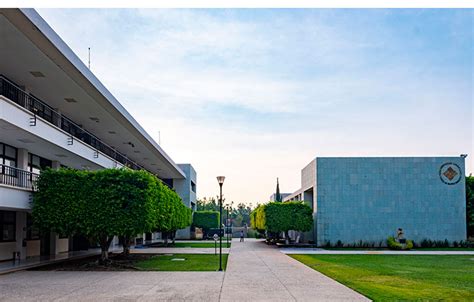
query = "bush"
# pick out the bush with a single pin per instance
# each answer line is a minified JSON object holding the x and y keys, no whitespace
{"x":96,"y":204}
{"x":172,"y":214}
{"x":206,"y":220}
{"x":394,"y":245}
{"x":277,"y":217}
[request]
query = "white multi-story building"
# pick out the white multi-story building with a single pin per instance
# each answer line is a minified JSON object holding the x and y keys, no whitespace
{"x":54,"y":112}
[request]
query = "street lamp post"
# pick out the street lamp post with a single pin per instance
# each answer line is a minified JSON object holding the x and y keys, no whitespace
{"x":220,"y":180}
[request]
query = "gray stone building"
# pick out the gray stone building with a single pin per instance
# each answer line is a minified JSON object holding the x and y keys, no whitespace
{"x":368,"y":198}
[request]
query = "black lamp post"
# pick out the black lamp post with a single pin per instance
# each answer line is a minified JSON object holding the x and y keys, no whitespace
{"x":220,"y":180}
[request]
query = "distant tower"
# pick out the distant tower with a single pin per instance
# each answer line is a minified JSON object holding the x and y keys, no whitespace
{"x":277,"y":194}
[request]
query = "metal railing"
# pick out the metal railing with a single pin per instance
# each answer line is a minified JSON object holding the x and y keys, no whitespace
{"x":46,"y":112}
{"x":15,"y":177}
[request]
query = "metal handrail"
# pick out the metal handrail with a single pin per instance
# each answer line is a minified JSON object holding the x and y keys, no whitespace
{"x":15,"y":177}
{"x":43,"y":110}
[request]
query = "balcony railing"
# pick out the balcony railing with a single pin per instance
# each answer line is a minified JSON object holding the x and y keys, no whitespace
{"x":15,"y":177}
{"x":46,"y":112}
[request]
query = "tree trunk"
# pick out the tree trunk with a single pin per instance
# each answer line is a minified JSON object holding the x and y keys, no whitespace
{"x":126,"y":245}
{"x":104,"y":246}
{"x":287,"y":238}
{"x":173,"y":234}
{"x":165,"y":234}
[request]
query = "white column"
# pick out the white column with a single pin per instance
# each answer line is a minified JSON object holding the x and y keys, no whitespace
{"x":22,"y":162}
{"x":54,"y":237}
{"x":56,"y":164}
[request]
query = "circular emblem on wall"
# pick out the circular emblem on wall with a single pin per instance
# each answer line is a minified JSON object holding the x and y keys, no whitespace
{"x":450,"y":173}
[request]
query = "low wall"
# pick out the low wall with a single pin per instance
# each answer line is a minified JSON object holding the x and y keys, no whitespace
{"x":33,"y":248}
{"x":6,"y":250}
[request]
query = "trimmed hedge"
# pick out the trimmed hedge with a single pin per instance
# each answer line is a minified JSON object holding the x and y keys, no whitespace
{"x":282,"y":217}
{"x":206,"y":220}
{"x":105,"y":203}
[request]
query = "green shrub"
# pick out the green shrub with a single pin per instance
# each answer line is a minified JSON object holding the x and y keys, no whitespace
{"x":277,"y":217}
{"x":96,"y":204}
{"x":206,"y":220}
{"x":394,"y":245}
{"x":172,"y":214}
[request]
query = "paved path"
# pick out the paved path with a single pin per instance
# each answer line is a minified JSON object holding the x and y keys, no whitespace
{"x":257,"y":272}
{"x":110,"y":286}
{"x":373,"y":252}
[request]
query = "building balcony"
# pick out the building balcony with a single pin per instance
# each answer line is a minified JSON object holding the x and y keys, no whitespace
{"x":14,"y":177}
{"x":39,"y":108}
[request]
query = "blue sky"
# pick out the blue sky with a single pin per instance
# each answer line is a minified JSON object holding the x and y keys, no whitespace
{"x":257,"y":94}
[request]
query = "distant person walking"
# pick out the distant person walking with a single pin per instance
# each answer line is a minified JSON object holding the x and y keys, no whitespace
{"x":242,"y":236}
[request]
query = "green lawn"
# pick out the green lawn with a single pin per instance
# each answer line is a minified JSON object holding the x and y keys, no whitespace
{"x":400,"y":277}
{"x":199,"y":244}
{"x":414,"y":249}
{"x":469,"y":249}
{"x":192,"y":262}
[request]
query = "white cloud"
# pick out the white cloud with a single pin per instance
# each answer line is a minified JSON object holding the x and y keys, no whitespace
{"x":259,"y":97}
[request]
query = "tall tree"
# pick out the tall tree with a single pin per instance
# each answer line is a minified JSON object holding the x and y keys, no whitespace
{"x":277,"y":194}
{"x":276,"y":217}
{"x":172,"y":214}
{"x":206,"y":220}
{"x":470,"y":205}
{"x":96,"y":204}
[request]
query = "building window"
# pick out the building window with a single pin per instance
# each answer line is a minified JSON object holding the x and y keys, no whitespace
{"x":37,"y":163}
{"x":8,"y":155}
{"x":193,"y":187}
{"x":7,"y":226}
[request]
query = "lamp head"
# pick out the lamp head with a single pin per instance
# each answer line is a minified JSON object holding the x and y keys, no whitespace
{"x":220,"y":179}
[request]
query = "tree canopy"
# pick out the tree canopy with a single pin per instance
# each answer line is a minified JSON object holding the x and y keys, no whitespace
{"x":206,"y":220}
{"x":470,"y":205}
{"x":282,"y":217}
{"x":106,"y":203}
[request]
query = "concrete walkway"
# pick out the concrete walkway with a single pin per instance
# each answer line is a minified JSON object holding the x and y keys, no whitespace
{"x":110,"y":286}
{"x":257,"y":272}
{"x":308,"y":251}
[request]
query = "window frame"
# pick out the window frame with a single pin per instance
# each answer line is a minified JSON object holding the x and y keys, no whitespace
{"x":4,"y":156}
{"x":3,"y":223}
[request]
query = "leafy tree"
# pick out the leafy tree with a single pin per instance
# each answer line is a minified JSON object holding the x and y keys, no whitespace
{"x":60,"y":201}
{"x":172,"y":214}
{"x":206,"y":220}
{"x":470,"y":205}
{"x":257,"y":218}
{"x":123,"y":203}
{"x":276,"y":217}
{"x":241,"y":215}
{"x":207,"y":204}
{"x":96,"y":204}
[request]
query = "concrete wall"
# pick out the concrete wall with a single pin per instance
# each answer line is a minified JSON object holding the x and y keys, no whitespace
{"x":33,"y":248}
{"x":184,"y":189}
{"x":308,"y":175}
{"x":62,"y":245}
{"x":14,"y":198}
{"x":369,"y":198}
{"x":6,"y":250}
